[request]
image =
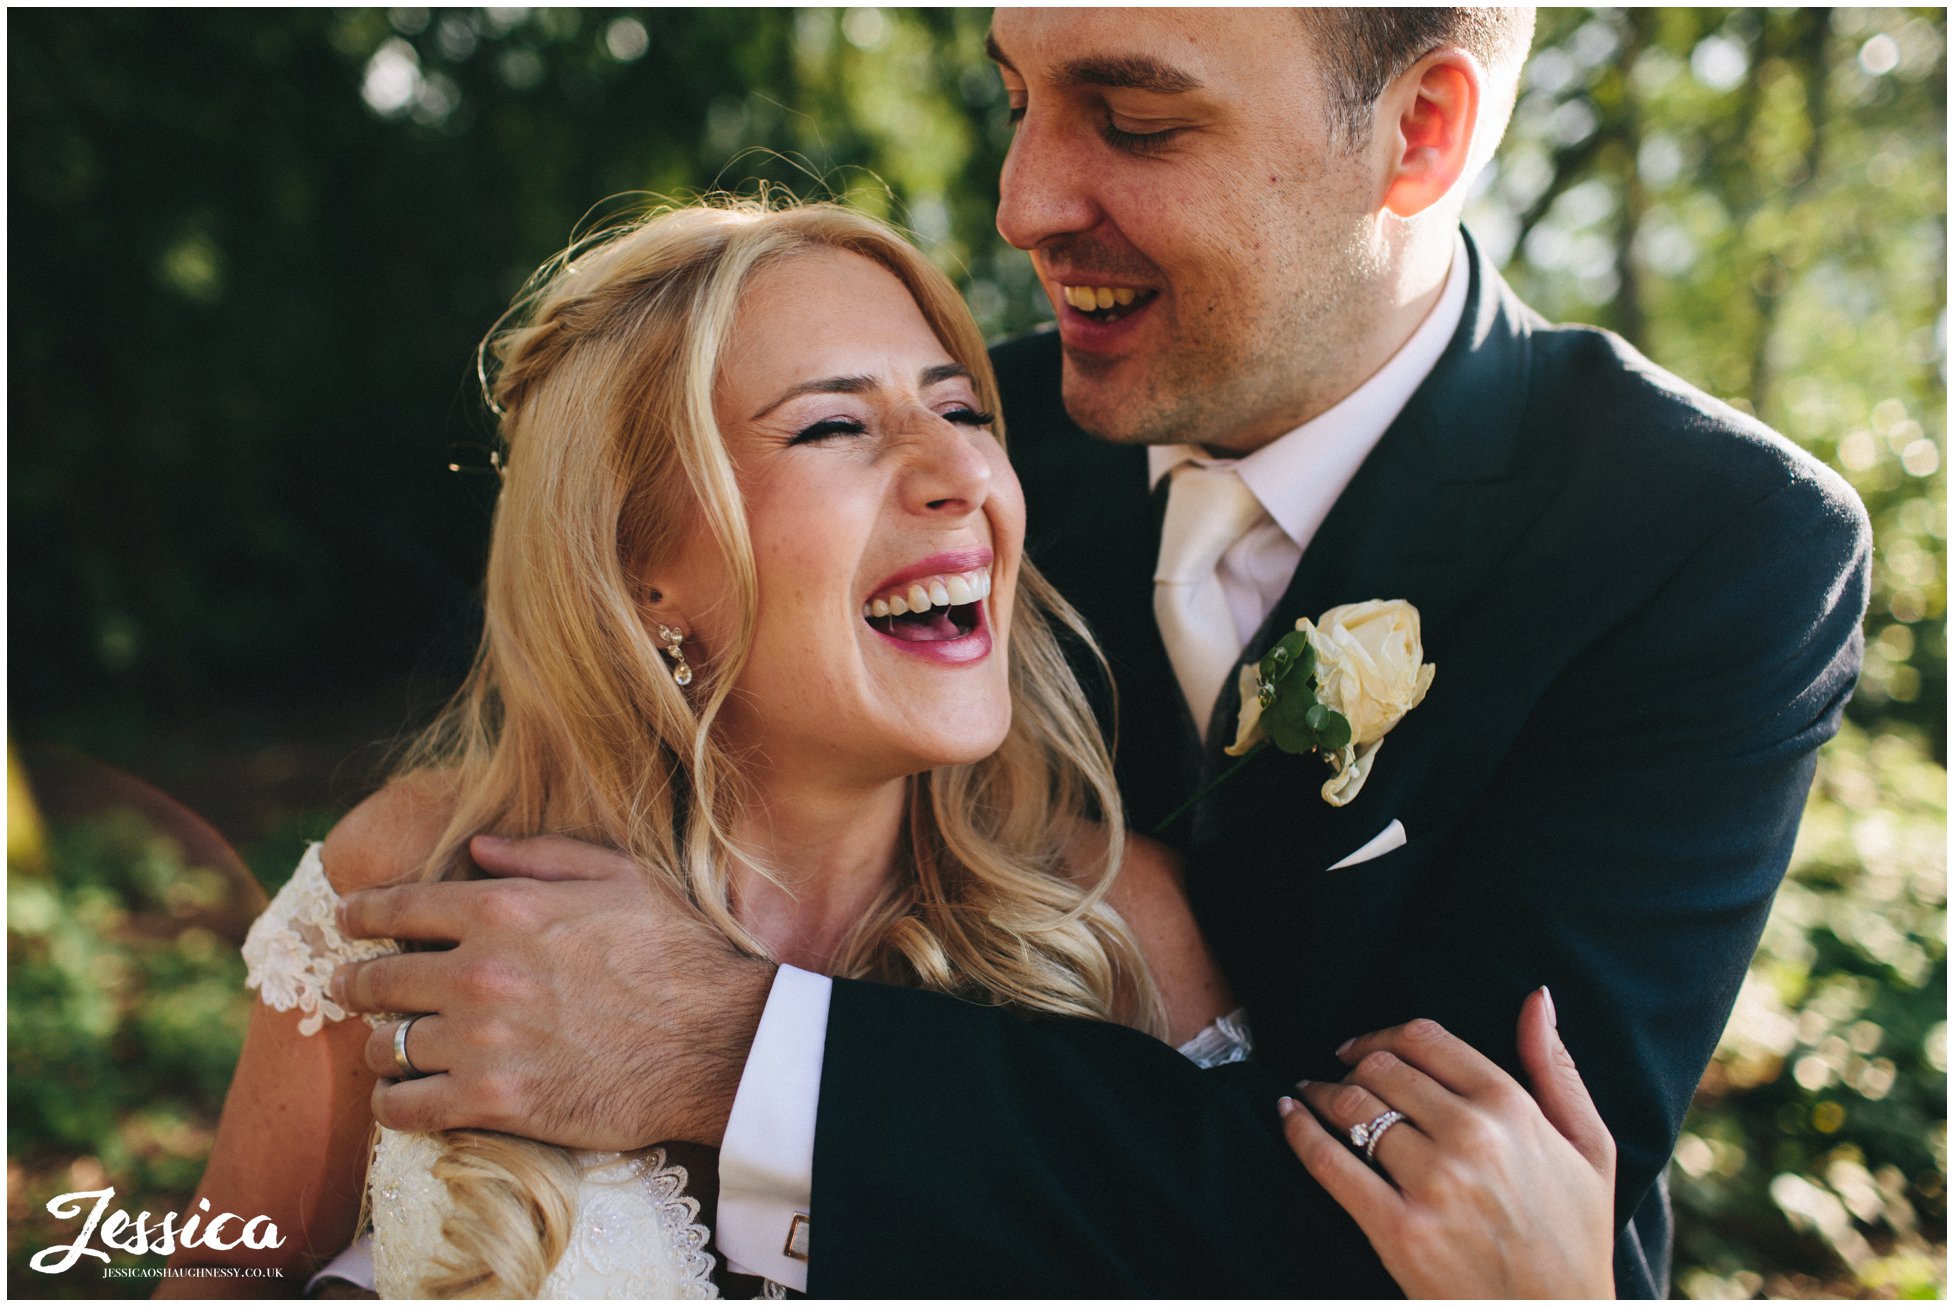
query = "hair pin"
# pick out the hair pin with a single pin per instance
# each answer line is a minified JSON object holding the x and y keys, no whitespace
{"x":463,"y":456}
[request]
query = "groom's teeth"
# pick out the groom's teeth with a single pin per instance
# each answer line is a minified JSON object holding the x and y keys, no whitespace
{"x":1088,"y":299}
{"x":957,"y":591}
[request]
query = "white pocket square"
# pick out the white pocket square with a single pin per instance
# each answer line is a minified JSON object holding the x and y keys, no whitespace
{"x":1391,"y":837}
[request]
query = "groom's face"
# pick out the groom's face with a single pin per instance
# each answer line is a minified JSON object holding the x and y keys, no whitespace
{"x":1179,"y":166}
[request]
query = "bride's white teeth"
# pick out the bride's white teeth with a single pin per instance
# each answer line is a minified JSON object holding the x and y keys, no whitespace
{"x":949,"y":591}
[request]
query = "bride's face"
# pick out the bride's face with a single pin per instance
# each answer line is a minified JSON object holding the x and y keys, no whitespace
{"x":887,"y":528}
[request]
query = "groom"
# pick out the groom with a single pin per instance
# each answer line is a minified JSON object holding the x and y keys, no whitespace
{"x":1643,"y":606}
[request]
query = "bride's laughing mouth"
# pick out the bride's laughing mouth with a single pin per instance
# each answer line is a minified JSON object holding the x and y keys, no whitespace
{"x":937,"y":608}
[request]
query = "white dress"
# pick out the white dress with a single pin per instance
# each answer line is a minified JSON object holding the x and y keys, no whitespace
{"x":636,"y":1234}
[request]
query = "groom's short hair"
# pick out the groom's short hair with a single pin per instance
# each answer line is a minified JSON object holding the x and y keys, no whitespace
{"x":1364,"y":49}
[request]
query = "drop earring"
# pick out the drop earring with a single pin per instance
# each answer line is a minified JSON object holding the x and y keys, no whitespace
{"x":682,"y":671}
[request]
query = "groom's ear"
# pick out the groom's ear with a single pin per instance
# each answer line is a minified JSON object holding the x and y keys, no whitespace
{"x":1426,"y":122}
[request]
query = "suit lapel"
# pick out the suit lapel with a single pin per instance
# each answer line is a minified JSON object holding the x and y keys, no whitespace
{"x":1445,"y":493}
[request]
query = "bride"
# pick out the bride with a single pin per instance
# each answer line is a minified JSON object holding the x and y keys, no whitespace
{"x":757,"y":615}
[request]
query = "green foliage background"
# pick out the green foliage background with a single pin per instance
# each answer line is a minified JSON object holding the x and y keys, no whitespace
{"x":251,"y":253}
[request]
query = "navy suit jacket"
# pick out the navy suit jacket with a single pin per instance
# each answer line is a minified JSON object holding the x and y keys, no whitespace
{"x":1644,"y":608}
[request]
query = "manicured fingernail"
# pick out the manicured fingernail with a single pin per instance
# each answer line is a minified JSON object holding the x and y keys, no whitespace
{"x":1344,"y":1047}
{"x":1301,"y":1085}
{"x":1553,"y":1018}
{"x":1284,"y":1106}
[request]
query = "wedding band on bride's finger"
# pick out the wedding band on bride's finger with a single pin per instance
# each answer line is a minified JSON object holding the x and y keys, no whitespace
{"x":1365,"y":1134}
{"x":402,"y":1063}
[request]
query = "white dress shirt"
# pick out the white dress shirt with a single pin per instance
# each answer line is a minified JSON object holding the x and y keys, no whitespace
{"x":766,"y":1164}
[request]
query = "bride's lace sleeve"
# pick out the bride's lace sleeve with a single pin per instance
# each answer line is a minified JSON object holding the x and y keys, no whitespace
{"x":1223,"y":1040}
{"x":294,"y":946}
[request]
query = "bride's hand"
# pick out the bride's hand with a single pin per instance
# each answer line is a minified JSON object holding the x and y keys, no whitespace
{"x":1480,"y":1190}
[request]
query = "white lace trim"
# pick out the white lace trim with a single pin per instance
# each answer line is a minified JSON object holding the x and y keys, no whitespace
{"x":600,"y":1250}
{"x":635,"y":1233}
{"x":1222,"y":1041}
{"x":295,"y":945}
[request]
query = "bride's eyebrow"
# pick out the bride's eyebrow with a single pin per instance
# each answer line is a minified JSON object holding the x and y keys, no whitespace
{"x":931,"y":376}
{"x":943,"y":372}
{"x":825,"y":386}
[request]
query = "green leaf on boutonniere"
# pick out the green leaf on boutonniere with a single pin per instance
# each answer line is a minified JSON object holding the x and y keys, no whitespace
{"x":1367,"y":658}
{"x":1292,"y":655}
{"x":1287,"y":720}
{"x":1332,"y":728}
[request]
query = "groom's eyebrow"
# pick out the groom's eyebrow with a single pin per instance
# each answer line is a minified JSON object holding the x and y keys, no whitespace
{"x":1114,"y":72}
{"x":1127,"y":72}
{"x":931,"y":376}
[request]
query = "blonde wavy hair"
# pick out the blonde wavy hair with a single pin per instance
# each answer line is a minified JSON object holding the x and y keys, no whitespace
{"x":602,"y":375}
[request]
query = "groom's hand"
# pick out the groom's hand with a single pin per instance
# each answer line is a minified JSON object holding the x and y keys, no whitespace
{"x":578,"y":1005}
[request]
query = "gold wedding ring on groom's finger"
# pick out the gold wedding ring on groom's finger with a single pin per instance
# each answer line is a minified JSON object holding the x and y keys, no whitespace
{"x":1365,"y":1134}
{"x":402,"y":1063}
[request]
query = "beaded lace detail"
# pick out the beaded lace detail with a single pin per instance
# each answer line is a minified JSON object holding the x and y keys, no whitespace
{"x":636,"y":1233}
{"x":295,"y":945}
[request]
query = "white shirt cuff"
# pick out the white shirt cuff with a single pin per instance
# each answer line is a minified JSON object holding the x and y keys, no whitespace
{"x":766,"y":1162}
{"x":353,"y":1265}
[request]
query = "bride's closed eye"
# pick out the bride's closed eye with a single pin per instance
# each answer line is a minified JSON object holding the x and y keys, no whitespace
{"x":828,"y":427}
{"x":964,"y":415}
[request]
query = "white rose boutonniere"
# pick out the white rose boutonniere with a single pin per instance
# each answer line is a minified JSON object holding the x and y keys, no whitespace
{"x":1371,"y":668}
{"x":1333,"y":687}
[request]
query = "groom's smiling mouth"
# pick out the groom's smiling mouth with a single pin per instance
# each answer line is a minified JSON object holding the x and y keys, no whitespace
{"x":1105,"y":303}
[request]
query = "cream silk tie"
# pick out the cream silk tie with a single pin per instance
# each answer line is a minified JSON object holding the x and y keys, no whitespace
{"x":1208,"y":509}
